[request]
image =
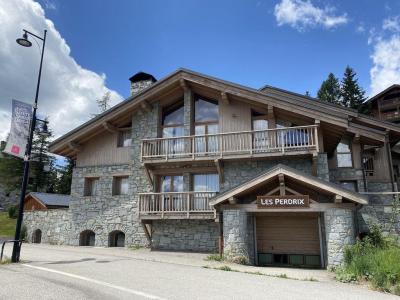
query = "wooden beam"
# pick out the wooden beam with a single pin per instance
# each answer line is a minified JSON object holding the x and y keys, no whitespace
{"x":282,"y":190}
{"x":146,"y":106}
{"x":184,"y":85}
{"x":314,"y":207}
{"x":225,"y":98}
{"x":75,"y":147}
{"x":233,"y":200}
{"x":146,"y":230}
{"x":270,"y":113}
{"x":314,"y":169}
{"x":148,"y":175}
{"x":220,"y":168}
{"x":338,"y":199}
{"x":109,"y":127}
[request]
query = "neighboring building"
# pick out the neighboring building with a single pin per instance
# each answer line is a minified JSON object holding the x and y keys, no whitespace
{"x":45,"y":201}
{"x":196,"y":163}
{"x":386,"y":105}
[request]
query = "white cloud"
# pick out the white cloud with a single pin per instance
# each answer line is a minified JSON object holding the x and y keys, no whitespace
{"x":302,"y":14}
{"x":392,"y":24}
{"x":68,"y":91}
{"x":386,"y":64}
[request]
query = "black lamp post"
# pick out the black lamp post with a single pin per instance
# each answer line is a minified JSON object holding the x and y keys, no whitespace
{"x":26,"y":43}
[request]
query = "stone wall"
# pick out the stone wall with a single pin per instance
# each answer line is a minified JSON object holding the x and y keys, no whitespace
{"x":55,"y":225}
{"x":322,"y":166}
{"x":105,"y":212}
{"x":339,"y":231}
{"x":238,"y":229}
{"x":185,"y":235}
{"x":238,"y":172}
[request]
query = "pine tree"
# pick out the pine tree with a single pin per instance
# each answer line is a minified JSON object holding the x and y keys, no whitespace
{"x":330,"y":90}
{"x":352,"y":94}
{"x":64,"y":180}
{"x":43,"y":170}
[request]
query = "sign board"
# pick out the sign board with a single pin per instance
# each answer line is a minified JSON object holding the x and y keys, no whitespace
{"x":288,"y":201}
{"x":21,"y":120}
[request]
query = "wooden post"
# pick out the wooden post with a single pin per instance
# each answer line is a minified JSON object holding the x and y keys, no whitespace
{"x":188,"y":205}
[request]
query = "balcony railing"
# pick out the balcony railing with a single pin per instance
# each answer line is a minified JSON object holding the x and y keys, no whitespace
{"x":230,"y":144}
{"x":176,"y":205}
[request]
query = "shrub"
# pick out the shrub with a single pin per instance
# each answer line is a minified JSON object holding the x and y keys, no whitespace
{"x":374,"y":258}
{"x":215,"y":257}
{"x":12,"y":212}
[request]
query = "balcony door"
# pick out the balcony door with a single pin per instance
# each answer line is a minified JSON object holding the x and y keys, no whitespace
{"x":261,"y":138}
{"x":172,"y":129}
{"x":204,"y":186}
{"x":206,"y":118}
{"x":175,"y":201}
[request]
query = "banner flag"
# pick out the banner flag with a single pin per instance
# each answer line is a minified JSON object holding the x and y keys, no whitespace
{"x":19,"y":133}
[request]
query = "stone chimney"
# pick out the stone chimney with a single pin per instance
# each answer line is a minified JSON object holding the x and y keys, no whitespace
{"x":140,"y":81}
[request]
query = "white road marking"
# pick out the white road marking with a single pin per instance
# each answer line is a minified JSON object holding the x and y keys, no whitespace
{"x":130,"y":291}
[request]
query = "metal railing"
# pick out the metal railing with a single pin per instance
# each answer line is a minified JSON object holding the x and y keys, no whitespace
{"x":287,"y":139}
{"x":9,"y":241}
{"x":177,"y":203}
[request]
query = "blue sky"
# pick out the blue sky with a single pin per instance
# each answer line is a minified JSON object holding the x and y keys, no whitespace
{"x":238,"y":41}
{"x":93,"y":47}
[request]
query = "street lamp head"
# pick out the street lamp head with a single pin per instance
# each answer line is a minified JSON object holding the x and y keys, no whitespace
{"x":24,"y":40}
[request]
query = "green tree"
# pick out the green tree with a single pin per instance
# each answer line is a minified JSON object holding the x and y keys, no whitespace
{"x":330,"y":90}
{"x":64,"y":180}
{"x":43,"y":170}
{"x":11,"y":171}
{"x":352,"y":94}
{"x":103,"y":103}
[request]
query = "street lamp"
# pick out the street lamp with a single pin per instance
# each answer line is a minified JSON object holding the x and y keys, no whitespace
{"x":26,"y":43}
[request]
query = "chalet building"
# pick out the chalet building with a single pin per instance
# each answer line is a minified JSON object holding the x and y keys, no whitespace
{"x":196,"y":163}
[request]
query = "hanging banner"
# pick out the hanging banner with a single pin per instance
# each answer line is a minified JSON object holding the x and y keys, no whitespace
{"x":19,"y":133}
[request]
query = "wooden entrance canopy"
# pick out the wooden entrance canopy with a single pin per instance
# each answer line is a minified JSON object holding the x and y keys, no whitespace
{"x":279,"y":177}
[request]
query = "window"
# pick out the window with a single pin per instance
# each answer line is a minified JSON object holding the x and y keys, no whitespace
{"x":261,"y":136}
{"x":343,"y":154}
{"x":124,"y":138}
{"x":91,"y":186}
{"x":121,"y":185}
{"x":206,"y":123}
{"x":174,"y":185}
{"x":172,"y":120}
{"x":206,"y":182}
{"x":350,"y":185}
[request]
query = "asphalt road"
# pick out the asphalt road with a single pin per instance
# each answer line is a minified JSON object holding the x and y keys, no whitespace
{"x":54,"y":272}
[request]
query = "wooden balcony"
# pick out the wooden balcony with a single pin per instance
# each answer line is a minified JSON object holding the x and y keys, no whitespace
{"x":257,"y":143}
{"x":176,"y":205}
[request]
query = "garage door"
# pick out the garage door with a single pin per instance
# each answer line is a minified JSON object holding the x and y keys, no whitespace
{"x":288,"y":240}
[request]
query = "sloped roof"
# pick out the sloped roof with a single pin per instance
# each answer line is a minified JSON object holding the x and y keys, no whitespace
{"x":393,"y":86}
{"x":51,"y":199}
{"x":276,"y":97}
{"x":295,"y":175}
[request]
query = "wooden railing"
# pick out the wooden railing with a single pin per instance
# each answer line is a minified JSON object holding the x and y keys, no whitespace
{"x":176,"y":204}
{"x":287,"y":139}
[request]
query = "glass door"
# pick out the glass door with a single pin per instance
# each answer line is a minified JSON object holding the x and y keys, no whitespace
{"x":203,"y":184}
{"x":175,"y":201}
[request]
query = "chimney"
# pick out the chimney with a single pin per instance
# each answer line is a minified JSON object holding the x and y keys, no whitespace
{"x":140,"y":81}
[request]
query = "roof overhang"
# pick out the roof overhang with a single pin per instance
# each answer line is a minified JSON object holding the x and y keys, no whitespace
{"x":293,"y":174}
{"x":68,"y":144}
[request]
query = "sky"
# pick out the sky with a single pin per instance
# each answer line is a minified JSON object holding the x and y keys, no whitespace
{"x":94,"y":46}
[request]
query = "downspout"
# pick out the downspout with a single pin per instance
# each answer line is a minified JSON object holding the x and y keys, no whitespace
{"x":221,"y":234}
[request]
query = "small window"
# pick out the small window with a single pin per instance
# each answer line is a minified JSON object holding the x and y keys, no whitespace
{"x":124,"y":138}
{"x":121,"y":185}
{"x":343,"y":154}
{"x":91,"y":186}
{"x":350,"y":185}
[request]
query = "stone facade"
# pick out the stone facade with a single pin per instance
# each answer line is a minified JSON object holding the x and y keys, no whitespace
{"x":55,"y":225}
{"x":138,"y":86}
{"x":339,"y":231}
{"x":238,"y":230}
{"x":187,"y":235}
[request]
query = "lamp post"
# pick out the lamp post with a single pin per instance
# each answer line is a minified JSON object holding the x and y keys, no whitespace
{"x":26,"y":43}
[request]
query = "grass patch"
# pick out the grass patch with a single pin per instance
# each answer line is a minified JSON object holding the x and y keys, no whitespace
{"x":225,"y":268}
{"x":7,"y":225}
{"x":5,"y":261}
{"x":215,"y":257}
{"x":135,"y":247}
{"x":375,"y":259}
{"x":283,"y":275}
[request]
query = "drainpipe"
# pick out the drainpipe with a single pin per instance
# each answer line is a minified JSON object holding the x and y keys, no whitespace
{"x":221,"y":234}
